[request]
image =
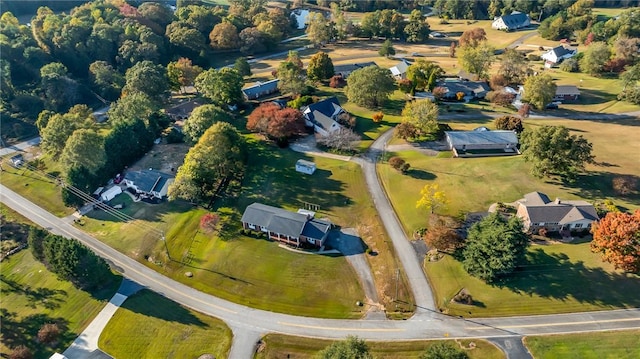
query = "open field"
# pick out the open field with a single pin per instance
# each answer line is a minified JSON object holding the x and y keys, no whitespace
{"x":455,"y":28}
{"x":33,"y":296}
{"x":554,"y":280}
{"x":281,"y":346}
{"x":603,"y":345}
{"x":163,"y":329}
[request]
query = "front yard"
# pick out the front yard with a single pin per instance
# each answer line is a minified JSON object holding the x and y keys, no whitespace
{"x":621,"y":344}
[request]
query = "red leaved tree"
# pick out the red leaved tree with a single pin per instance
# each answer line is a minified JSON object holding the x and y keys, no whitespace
{"x":617,"y":238}
{"x":209,"y":222}
{"x":378,"y":116}
{"x":258,"y":120}
{"x":286,"y":122}
{"x":524,"y":110}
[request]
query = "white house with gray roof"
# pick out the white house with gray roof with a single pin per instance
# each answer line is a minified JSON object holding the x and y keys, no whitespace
{"x":482,"y":142}
{"x":537,"y":211}
{"x":323,"y":116}
{"x":516,"y":20}
{"x":148,"y":183}
{"x":297,"y":229}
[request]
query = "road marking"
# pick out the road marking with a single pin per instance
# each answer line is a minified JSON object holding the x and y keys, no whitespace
{"x":487,"y":327}
{"x":120,"y":263}
{"x":342,"y":328}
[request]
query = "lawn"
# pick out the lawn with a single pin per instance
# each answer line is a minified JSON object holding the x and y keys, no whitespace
{"x":603,"y":345}
{"x":163,"y":329}
{"x":274,"y":280}
{"x":33,"y":296}
{"x":498,"y":39}
{"x":37,"y":187}
{"x":552,"y":281}
{"x":282,"y":346}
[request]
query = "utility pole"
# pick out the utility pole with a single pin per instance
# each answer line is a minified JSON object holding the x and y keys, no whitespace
{"x":166,"y":248}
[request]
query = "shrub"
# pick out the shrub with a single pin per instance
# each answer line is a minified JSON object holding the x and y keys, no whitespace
{"x":500,"y":98}
{"x":463,"y":297}
{"x":337,"y":82}
{"x":631,"y":94}
{"x":174,"y":136}
{"x":405,"y":85}
{"x":378,"y":116}
{"x":524,"y":110}
{"x":510,"y":123}
{"x":460,"y":96}
{"x":21,"y":352}
{"x":396,"y":162}
{"x":624,"y":185}
{"x":570,"y":65}
{"x":543,"y":232}
{"x":498,"y":81}
{"x":49,"y":333}
{"x":406,"y":130}
{"x":534,"y":57}
{"x":405,"y":167}
{"x":438,"y":92}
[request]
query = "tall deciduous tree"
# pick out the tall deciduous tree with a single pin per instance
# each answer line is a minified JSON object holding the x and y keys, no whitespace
{"x":387,"y":49}
{"x":513,"y":66}
{"x":617,"y":238}
{"x":476,"y":59}
{"x":431,"y":198}
{"x":182,"y":73}
{"x":201,"y":119}
{"x":291,"y":79}
{"x":595,"y":57}
{"x":242,"y":66}
{"x":218,"y":157}
{"x":370,"y":86}
{"x":424,"y":74}
{"x":472,"y":37}
{"x":224,"y":36}
{"x":320,"y":67}
{"x":539,"y":90}
{"x":553,"y":151}
{"x":85,"y":148}
{"x":495,"y":247}
{"x":55,"y":134}
{"x":442,"y":234}
{"x":417,"y":30}
{"x":423,"y":114}
{"x":107,"y":81}
{"x":350,"y":348}
{"x":223,"y":87}
{"x":147,"y":78}
{"x":319,"y":29}
{"x":131,"y":107}
{"x":279,"y":124}
{"x":511,"y":123}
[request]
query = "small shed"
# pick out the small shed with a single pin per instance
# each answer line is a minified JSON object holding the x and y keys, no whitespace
{"x":109,"y":194}
{"x":17,"y":160}
{"x":305,"y":167}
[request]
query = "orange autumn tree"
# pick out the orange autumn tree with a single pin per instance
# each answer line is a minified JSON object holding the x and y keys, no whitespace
{"x":617,"y":238}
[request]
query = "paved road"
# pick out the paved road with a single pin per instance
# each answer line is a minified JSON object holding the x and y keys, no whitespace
{"x":513,"y":347}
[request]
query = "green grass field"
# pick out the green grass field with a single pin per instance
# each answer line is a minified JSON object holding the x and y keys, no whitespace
{"x":282,"y":346}
{"x":148,"y":325}
{"x":497,"y":39}
{"x":603,"y":345}
{"x":33,"y":296}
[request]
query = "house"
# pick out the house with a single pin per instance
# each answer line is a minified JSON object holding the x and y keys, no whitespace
{"x":346,"y":69}
{"x":516,"y":20}
{"x":423,"y":95}
{"x":566,"y":93}
{"x":482,"y":142}
{"x":323,"y":115}
{"x":149,"y":183}
{"x":537,"y":211}
{"x":399,"y":71}
{"x":260,"y":89}
{"x":110,"y":194}
{"x":558,"y":54}
{"x":183,"y":110}
{"x":305,"y":167}
{"x":297,"y":229}
{"x":470,"y":89}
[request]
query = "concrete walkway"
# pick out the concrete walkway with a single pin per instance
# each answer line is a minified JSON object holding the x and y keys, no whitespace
{"x":307,"y":145}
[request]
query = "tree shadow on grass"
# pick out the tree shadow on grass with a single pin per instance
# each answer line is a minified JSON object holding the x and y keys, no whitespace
{"x":23,"y":331}
{"x":150,"y":304}
{"x":555,"y":276}
{"x":600,"y":185}
{"x":46,"y":297}
{"x":152,"y":212}
{"x":421,"y":174}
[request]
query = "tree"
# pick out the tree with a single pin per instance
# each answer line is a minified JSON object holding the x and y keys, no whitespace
{"x":147,"y":78}
{"x":570,"y":65}
{"x":625,"y":184}
{"x":291,"y":79}
{"x":107,"y":81}
{"x":431,"y":198}
{"x":442,"y":234}
{"x":343,"y":139}
{"x":513,"y":66}
{"x":337,"y":82}
{"x":131,"y":107}
{"x":320,"y":67}
{"x":319,"y":29}
{"x":452,"y":49}
{"x":218,"y":157}
{"x":397,"y":163}
{"x":422,"y":114}
{"x":417,"y":30}
{"x":350,"y":348}
{"x":242,"y":66}
{"x":539,"y":91}
{"x":406,"y":131}
{"x":277,"y":123}
{"x":370,"y":86}
{"x":182,"y":73}
{"x":444,"y":350}
{"x":510,"y":123}
{"x":21,"y":352}
{"x":49,"y":333}
{"x":494,"y":248}
{"x":251,"y":41}
{"x":55,"y":134}
{"x":209,"y":222}
{"x":553,"y":151}
{"x":85,"y":148}
{"x":201,"y":119}
{"x":472,"y":37}
{"x":224,"y":36}
{"x":631,"y":76}
{"x":223,"y":87}
{"x":617,"y":238}
{"x":500,"y":98}
{"x":387,"y":49}
{"x":184,"y":37}
{"x":594,"y":58}
{"x":476,"y":59}
{"x":524,"y":110}
{"x":424,"y":74}
{"x":627,"y":48}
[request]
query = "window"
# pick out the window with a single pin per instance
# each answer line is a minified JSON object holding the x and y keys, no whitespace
{"x":252,"y":226}
{"x":578,"y":225}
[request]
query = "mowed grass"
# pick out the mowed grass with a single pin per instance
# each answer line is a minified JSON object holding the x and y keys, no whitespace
{"x":36,"y":186}
{"x":282,"y":346}
{"x":33,"y":296}
{"x":498,"y":39}
{"x":603,"y":345}
{"x":557,"y":278}
{"x":148,"y":325}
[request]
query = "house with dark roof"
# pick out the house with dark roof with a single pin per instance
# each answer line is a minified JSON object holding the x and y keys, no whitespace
{"x":482,"y":142}
{"x":399,"y":71}
{"x":346,"y":69}
{"x":323,"y":115}
{"x":297,"y":229}
{"x":150,"y":183}
{"x":537,"y":211}
{"x":558,"y":54}
{"x":516,"y":20}
{"x":470,"y":89}
{"x":260,"y":89}
{"x":566,"y":93}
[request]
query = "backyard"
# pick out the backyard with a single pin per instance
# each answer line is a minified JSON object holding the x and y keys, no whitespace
{"x":163,"y":329}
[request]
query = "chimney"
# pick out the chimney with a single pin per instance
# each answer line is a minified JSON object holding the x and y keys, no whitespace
{"x":557,"y":201}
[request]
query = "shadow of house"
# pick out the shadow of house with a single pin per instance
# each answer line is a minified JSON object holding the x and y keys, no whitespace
{"x":346,"y":242}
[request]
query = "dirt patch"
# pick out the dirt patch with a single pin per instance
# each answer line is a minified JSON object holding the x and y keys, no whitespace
{"x":163,"y":157}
